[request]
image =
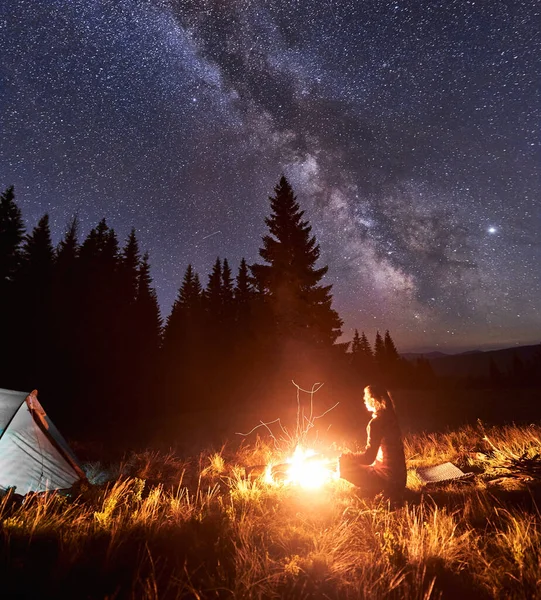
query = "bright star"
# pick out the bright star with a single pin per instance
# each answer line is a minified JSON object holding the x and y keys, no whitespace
{"x":492,"y":230}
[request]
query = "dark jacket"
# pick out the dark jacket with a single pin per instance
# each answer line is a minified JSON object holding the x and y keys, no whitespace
{"x":384,"y":448}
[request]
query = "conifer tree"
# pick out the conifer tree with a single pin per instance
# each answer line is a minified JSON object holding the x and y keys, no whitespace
{"x":129,"y":268}
{"x":34,"y":299}
{"x":361,"y":357}
{"x":300,"y":307}
{"x":244,"y":291}
{"x":66,"y":314}
{"x":245,"y":328}
{"x":38,"y":253}
{"x":183,"y":343}
{"x":185,"y":314}
{"x":213,"y":293}
{"x":227,"y":290}
{"x":148,"y":325}
{"x":379,"y":351}
{"x":356,"y":343}
{"x":395,"y":368}
{"x":147,"y":310}
{"x":228,"y":313}
{"x":364,"y":348}
{"x":99,"y":326}
{"x":131,"y":355}
{"x":67,"y":250}
{"x":391,"y":354}
{"x":11,"y":238}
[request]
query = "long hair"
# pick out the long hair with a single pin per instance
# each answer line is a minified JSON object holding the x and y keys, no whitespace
{"x":382,"y":398}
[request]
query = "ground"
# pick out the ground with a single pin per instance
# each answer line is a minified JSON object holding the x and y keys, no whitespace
{"x":163,"y":526}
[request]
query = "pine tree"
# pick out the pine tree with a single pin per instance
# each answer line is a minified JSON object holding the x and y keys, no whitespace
{"x":228,"y":312}
{"x":243,"y":293}
{"x":356,"y":344}
{"x":379,"y":351}
{"x":66,"y":313}
{"x":67,"y":250}
{"x":213,"y":294}
{"x":38,"y":254}
{"x":185,"y":314}
{"x":227,"y":291}
{"x":99,"y":334}
{"x":361,"y":358}
{"x":182,"y":343}
{"x":147,"y":309}
{"x":145,"y":359}
{"x":300,"y":307}
{"x":129,"y":268}
{"x":11,"y":238}
{"x":391,"y":354}
{"x":34,"y":297}
{"x":364,"y":349}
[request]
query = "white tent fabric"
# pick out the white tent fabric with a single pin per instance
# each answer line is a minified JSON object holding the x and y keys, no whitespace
{"x":34,"y":457}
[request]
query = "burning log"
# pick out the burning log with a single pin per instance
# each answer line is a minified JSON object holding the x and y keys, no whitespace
{"x":261,"y":470}
{"x":305,"y":467}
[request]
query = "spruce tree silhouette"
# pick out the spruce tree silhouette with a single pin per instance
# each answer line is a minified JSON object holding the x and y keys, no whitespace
{"x":129,"y":264}
{"x":66,"y":315}
{"x":98,"y":336}
{"x":300,"y":308}
{"x":391,"y":353}
{"x":362,"y":359}
{"x":355,"y":343}
{"x":11,"y":239}
{"x":147,"y":323}
{"x":147,"y":311}
{"x":379,"y":354}
{"x":183,"y":345}
{"x":228,"y":297}
{"x":244,"y":296}
{"x":34,"y":306}
{"x":365,"y":350}
{"x":213,"y":296}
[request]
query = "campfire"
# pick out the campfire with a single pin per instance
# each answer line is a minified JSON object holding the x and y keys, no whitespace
{"x":304,"y":468}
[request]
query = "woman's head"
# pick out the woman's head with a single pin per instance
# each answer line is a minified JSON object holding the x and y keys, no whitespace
{"x":376,"y":398}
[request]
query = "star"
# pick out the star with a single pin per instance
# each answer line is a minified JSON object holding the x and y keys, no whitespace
{"x":400,"y":129}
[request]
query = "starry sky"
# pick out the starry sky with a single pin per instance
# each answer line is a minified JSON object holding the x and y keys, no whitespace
{"x":410,"y":131}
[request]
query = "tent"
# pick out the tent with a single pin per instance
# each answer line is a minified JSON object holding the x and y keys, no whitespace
{"x":34,"y":457}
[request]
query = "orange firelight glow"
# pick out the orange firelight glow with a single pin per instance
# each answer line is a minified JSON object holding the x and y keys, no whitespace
{"x":307,"y":470}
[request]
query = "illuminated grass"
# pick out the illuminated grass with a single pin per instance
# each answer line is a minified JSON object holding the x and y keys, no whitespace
{"x":171,"y":528}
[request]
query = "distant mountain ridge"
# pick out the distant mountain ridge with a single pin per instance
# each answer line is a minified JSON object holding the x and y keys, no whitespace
{"x":427,"y":355}
{"x":476,"y":363}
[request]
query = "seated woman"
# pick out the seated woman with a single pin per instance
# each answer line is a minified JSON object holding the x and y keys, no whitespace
{"x":382,"y":466}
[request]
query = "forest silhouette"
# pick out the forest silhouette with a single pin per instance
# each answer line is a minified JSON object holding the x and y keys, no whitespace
{"x":80,"y":321}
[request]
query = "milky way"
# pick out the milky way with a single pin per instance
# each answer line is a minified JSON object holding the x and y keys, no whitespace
{"x":409,"y":131}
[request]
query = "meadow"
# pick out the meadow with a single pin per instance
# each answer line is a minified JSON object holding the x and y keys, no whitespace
{"x":160,"y":526}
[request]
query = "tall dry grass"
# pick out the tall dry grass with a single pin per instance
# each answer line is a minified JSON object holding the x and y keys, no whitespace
{"x":171,"y":528}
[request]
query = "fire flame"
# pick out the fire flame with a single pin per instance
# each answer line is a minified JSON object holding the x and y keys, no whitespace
{"x":307,"y":470}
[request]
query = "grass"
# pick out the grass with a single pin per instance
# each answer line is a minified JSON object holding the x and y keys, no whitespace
{"x":165,"y":527}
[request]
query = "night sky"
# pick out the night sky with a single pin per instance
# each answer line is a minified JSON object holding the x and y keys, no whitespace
{"x":410,"y":132}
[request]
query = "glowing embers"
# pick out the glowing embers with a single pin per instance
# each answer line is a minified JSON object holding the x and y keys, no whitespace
{"x":304,"y":468}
